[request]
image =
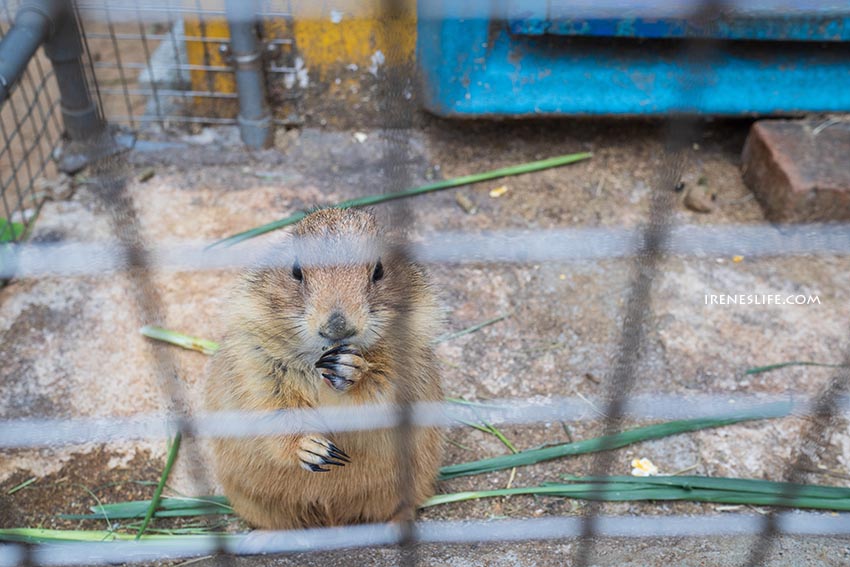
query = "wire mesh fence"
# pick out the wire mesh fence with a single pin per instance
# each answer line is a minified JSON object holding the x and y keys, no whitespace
{"x":172,"y":67}
{"x":169,"y":63}
{"x":31,"y":130}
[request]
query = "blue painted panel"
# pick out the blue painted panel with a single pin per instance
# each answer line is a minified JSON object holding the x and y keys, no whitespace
{"x":763,"y":28}
{"x":776,"y":20}
{"x":475,"y":67}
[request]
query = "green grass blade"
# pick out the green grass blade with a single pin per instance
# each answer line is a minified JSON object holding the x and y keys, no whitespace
{"x":186,"y":531}
{"x":169,"y":507}
{"x":468,"y":330}
{"x":179,"y":339}
{"x":769,"y":367}
{"x":38,"y":535}
{"x":463,"y":402}
{"x":729,"y":484}
{"x":480,"y":428}
{"x":10,"y":231}
{"x":207,"y":346}
{"x":219,"y":502}
{"x":628,"y":489}
{"x":157,"y":493}
{"x":138,"y":514}
{"x":21,"y":486}
{"x":170,"y":503}
{"x":501,"y":437}
{"x":557,"y":490}
{"x":490,"y":430}
{"x":431,"y":187}
{"x":610,"y":442}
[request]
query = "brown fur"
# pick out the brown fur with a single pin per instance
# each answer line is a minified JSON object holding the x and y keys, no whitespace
{"x":267,"y":360}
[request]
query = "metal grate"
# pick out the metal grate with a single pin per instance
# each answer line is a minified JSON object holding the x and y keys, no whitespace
{"x":30,"y":130}
{"x":167,"y":63}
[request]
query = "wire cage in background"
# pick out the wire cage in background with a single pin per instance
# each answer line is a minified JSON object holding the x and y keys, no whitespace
{"x":163,"y":65}
{"x":30,"y":130}
{"x":170,"y":63}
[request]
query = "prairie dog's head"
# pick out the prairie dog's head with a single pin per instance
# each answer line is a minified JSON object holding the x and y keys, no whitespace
{"x":340,"y":282}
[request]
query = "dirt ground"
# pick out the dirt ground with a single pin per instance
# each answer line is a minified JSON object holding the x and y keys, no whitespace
{"x":70,"y":346}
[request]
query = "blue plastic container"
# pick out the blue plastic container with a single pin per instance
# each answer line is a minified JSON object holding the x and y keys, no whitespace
{"x":517,"y":58}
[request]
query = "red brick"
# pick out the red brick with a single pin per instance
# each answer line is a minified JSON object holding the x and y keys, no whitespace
{"x":798,"y":171}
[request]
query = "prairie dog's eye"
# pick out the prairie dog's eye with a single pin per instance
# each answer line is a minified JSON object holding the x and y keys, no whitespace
{"x":297,"y":274}
{"x":378,"y":273}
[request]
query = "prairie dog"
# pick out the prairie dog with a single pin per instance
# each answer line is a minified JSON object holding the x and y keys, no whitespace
{"x":320,"y":330}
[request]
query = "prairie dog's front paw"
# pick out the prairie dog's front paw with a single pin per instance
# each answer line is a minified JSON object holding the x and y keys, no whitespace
{"x":314,"y":451}
{"x":342,"y":366}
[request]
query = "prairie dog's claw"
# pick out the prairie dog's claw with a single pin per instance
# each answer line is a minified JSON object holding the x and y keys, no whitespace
{"x":315,"y":452}
{"x":342,"y":366}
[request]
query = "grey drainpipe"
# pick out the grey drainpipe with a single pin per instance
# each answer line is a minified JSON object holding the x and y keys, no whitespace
{"x":64,"y":48}
{"x":34,"y":23}
{"x":255,"y":123}
{"x":52,"y":23}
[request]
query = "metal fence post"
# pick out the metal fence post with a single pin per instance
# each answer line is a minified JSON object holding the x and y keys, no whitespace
{"x":64,"y":48}
{"x":254,"y":119}
{"x":34,"y":22}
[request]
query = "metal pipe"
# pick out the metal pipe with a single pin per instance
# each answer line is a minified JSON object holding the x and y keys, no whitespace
{"x":52,"y":23}
{"x":34,"y":23}
{"x":64,"y":48}
{"x":255,"y":124}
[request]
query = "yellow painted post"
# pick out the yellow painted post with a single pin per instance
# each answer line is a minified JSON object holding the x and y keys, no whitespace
{"x":338,"y":52}
{"x":207,"y":54}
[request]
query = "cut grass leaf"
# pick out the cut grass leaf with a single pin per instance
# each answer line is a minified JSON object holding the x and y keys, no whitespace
{"x":187,"y":506}
{"x":769,"y":367}
{"x":10,"y":231}
{"x":177,"y":503}
{"x":725,"y":483}
{"x":169,"y":507}
{"x":687,"y":488}
{"x":615,"y":441}
{"x":491,"y":430}
{"x":468,"y":330}
{"x":38,"y":535}
{"x":210,"y":347}
{"x":21,"y":486}
{"x":463,"y":402}
{"x":157,"y":493}
{"x":429,"y":188}
{"x":179,"y":339}
{"x":140,"y":512}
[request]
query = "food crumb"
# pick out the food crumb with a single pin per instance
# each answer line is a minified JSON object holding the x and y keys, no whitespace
{"x":643,"y":467}
{"x":498,"y":191}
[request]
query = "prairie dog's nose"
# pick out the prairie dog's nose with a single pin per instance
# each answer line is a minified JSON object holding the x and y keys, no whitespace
{"x":336,"y":328}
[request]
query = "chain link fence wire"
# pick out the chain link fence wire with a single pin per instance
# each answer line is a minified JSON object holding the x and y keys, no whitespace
{"x":696,"y":54}
{"x":168,"y":63}
{"x":30,"y":131}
